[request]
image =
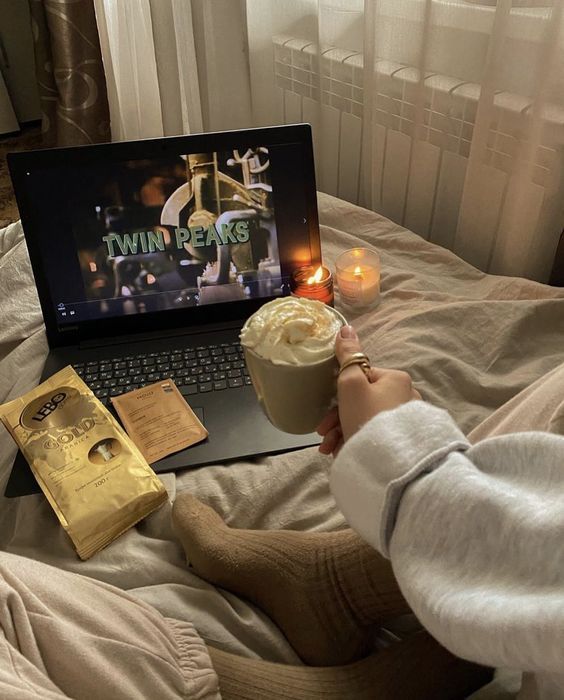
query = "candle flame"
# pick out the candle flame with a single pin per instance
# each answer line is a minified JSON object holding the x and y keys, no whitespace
{"x":316,"y":278}
{"x":358,"y":272}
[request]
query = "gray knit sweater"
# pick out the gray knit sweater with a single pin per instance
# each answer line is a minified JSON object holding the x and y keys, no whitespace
{"x":475,"y":534}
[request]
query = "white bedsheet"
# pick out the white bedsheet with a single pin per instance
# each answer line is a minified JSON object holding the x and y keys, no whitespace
{"x":471,"y":341}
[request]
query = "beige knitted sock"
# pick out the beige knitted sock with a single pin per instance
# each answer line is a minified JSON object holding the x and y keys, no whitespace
{"x":325,"y":591}
{"x":417,"y":668}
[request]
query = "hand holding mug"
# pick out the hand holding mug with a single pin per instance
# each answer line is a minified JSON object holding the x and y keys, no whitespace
{"x":360,"y":395}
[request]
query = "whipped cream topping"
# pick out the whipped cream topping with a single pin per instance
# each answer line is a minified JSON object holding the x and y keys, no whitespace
{"x":292,"y":331}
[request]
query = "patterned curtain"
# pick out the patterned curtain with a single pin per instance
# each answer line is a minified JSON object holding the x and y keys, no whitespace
{"x":70,"y":73}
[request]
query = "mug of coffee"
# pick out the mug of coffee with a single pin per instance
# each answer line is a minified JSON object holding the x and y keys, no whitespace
{"x":289,"y":347}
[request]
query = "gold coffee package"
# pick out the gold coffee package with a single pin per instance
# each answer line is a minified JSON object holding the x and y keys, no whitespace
{"x":94,"y":477}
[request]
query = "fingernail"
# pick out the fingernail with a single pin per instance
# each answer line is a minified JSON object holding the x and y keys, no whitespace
{"x":348,"y":332}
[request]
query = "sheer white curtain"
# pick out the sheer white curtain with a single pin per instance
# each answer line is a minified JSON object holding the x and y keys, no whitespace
{"x":447,"y":116}
{"x":174,"y":66}
{"x":149,"y":59}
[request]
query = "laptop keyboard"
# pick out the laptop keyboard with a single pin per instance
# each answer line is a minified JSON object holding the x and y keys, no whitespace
{"x":194,"y":370}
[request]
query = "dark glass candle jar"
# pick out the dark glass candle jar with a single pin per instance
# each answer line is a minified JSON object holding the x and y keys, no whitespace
{"x":313,"y":282}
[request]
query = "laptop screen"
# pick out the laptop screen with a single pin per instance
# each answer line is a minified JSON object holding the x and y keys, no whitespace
{"x":122,"y":237}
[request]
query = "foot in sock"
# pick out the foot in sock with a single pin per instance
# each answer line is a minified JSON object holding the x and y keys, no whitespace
{"x":417,"y":668}
{"x":326,"y":591}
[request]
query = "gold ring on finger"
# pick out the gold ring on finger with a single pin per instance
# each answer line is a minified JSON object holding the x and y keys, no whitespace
{"x":357,"y":358}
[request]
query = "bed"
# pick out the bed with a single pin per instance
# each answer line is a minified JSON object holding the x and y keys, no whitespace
{"x":470,"y":340}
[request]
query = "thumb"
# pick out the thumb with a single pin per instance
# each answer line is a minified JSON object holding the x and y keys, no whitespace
{"x":346,"y":344}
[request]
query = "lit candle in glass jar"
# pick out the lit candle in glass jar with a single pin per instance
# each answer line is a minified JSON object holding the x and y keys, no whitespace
{"x":313,"y":282}
{"x":358,"y":278}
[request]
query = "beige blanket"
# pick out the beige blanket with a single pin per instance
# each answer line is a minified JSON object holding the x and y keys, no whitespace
{"x":471,"y":341}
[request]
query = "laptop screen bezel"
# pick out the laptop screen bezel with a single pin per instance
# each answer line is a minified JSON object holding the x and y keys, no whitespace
{"x":236,"y":311}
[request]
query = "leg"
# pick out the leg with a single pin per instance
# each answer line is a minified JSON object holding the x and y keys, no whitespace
{"x":416,"y":669}
{"x":538,"y":407}
{"x":64,"y":635}
{"x":326,"y":591}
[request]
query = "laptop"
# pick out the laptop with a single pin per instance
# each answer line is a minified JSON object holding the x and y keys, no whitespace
{"x":149,"y":256}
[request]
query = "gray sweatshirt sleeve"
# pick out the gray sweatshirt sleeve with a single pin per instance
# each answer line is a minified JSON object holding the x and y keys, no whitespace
{"x":475,"y":534}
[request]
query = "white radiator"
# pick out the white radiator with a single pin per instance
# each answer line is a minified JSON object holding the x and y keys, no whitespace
{"x":419,"y":183}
